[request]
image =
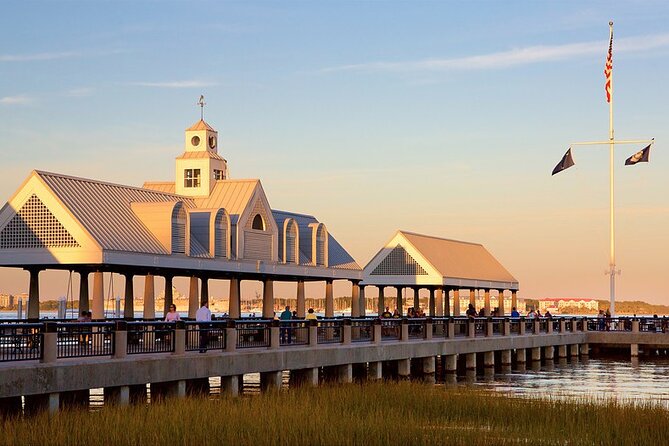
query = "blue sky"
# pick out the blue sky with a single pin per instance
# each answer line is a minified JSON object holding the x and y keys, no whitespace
{"x":438,"y":117}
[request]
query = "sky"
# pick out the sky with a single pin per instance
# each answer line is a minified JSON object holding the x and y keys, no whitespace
{"x":444,"y":118}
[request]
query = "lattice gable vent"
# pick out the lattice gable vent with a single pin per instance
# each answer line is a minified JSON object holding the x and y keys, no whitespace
{"x":34,"y":226}
{"x":399,"y":263}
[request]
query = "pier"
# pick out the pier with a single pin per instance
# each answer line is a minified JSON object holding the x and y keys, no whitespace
{"x":55,"y":364}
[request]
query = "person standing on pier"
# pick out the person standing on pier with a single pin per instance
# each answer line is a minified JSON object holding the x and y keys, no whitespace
{"x":203,"y":315}
{"x":286,"y":315}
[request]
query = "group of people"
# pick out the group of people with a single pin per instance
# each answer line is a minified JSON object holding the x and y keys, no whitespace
{"x":411,"y":313}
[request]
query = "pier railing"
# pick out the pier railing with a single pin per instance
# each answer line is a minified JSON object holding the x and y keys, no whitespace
{"x":80,"y":339}
{"x":27,"y":340}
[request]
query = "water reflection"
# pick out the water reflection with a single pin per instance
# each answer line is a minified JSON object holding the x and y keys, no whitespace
{"x":623,"y":380}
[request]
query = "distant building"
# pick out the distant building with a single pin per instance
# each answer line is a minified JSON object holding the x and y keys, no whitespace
{"x":558,"y":304}
{"x":6,"y":300}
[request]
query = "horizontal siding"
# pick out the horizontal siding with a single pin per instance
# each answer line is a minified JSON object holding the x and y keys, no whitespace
{"x":257,"y":245}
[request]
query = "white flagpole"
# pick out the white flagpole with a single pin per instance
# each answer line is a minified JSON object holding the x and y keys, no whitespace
{"x":612,"y":261}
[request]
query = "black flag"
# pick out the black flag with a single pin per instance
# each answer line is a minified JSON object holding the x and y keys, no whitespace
{"x":640,"y":157}
{"x":566,"y":162}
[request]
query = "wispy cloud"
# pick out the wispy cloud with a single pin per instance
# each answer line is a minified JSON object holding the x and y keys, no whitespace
{"x":175,"y":84}
{"x":16,"y":100}
{"x":80,"y":92}
{"x":510,"y":58}
{"x":38,"y":56}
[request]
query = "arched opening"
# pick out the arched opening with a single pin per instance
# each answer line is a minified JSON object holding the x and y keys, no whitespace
{"x":179,"y":229}
{"x":258,"y":223}
{"x":290,"y":237}
{"x":221,"y":234}
{"x":321,"y":245}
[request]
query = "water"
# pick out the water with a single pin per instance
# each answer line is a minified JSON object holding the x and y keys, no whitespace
{"x":620,"y":379}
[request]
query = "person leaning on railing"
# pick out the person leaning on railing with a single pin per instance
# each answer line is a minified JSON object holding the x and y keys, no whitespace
{"x":311,"y":316}
{"x":203,"y":315}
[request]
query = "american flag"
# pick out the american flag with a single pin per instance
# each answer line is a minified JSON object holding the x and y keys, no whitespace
{"x":608,"y":69}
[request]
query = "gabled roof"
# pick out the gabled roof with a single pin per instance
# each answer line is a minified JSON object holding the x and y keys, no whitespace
{"x":457,"y":259}
{"x":338,"y":257}
{"x":104,"y":210}
{"x":233,"y":195}
{"x":200,"y":125}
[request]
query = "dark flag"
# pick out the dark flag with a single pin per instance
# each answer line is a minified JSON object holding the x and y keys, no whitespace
{"x":566,"y":162}
{"x":640,"y":157}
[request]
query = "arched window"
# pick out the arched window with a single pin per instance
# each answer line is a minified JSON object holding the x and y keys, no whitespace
{"x":221,"y":223}
{"x":179,"y":229}
{"x":291,"y":255}
{"x":258,"y":223}
{"x":321,"y":245}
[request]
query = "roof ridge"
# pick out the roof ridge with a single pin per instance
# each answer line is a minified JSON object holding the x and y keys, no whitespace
{"x":439,"y":238}
{"x":294,"y":213}
{"x":108,"y":183}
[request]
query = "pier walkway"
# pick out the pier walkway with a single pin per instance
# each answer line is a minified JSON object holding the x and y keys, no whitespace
{"x":53,"y":364}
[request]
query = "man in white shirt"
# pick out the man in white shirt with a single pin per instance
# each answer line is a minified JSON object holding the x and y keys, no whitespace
{"x":203,"y":314}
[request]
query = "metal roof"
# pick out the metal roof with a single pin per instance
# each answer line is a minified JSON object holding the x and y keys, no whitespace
{"x":200,"y":125}
{"x":457,"y":259}
{"x":233,"y":195}
{"x":104,"y":210}
{"x":200,"y":154}
{"x":338,"y":257}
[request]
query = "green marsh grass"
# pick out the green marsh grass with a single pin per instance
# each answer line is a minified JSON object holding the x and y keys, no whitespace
{"x":387,"y":413}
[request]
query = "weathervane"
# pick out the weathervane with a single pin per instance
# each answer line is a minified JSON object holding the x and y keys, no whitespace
{"x":201,"y":103}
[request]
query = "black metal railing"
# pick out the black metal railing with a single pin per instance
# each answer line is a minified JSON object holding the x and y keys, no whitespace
{"x":294,"y":332}
{"x":461,"y":327}
{"x":79,"y":339}
{"x":204,"y":336}
{"x":416,"y":328}
{"x":439,"y":327}
{"x":253,"y":334}
{"x":480,"y":326}
{"x":150,"y":337}
{"x":543,"y":325}
{"x":391,"y":329}
{"x":20,"y":342}
{"x":362,"y":330}
{"x":330,"y":331}
{"x":514,"y":325}
{"x":497,"y":326}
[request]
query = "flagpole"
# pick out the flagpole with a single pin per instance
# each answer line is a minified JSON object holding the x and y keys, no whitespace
{"x":612,"y":261}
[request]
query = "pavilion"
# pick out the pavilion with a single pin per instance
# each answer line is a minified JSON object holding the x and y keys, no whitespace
{"x":440,"y":265}
{"x":203,"y":225}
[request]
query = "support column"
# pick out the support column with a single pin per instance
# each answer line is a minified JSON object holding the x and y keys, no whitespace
{"x":398,"y":303}
{"x":404,"y":368}
{"x":301,"y":300}
{"x":416,"y":298}
{"x":451,"y":364}
{"x":549,"y":353}
{"x":98,"y":295}
{"x":363,"y":302}
{"x":270,"y":381}
{"x":521,"y":356}
{"x":329,"y":299}
{"x":355,"y":299}
{"x":634,"y":350}
{"x":505,"y":358}
{"x":193,"y":297}
{"x":432,"y":303}
{"x":234,"y":299}
{"x":230,"y":385}
{"x":382,"y":300}
{"x":33,"y":296}
{"x":268,"y":299}
{"x":345,"y":373}
{"x":168,"y":295}
{"x":456,"y":302}
{"x":562,"y":351}
{"x":117,"y":395}
{"x":573,"y":350}
{"x":149,"y":297}
{"x":440,"y":300}
{"x":472,"y":297}
{"x":536,"y":353}
{"x":486,"y":304}
{"x":489,"y":359}
{"x":514,"y":299}
{"x":129,"y":301}
{"x":204,"y":292}
{"x":83,"y":291}
{"x":500,"y":303}
{"x":470,"y":361}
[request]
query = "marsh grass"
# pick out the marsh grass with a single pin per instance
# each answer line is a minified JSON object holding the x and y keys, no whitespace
{"x":402,"y":413}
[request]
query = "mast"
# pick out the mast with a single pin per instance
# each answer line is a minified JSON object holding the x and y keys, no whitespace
{"x":612,"y":259}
